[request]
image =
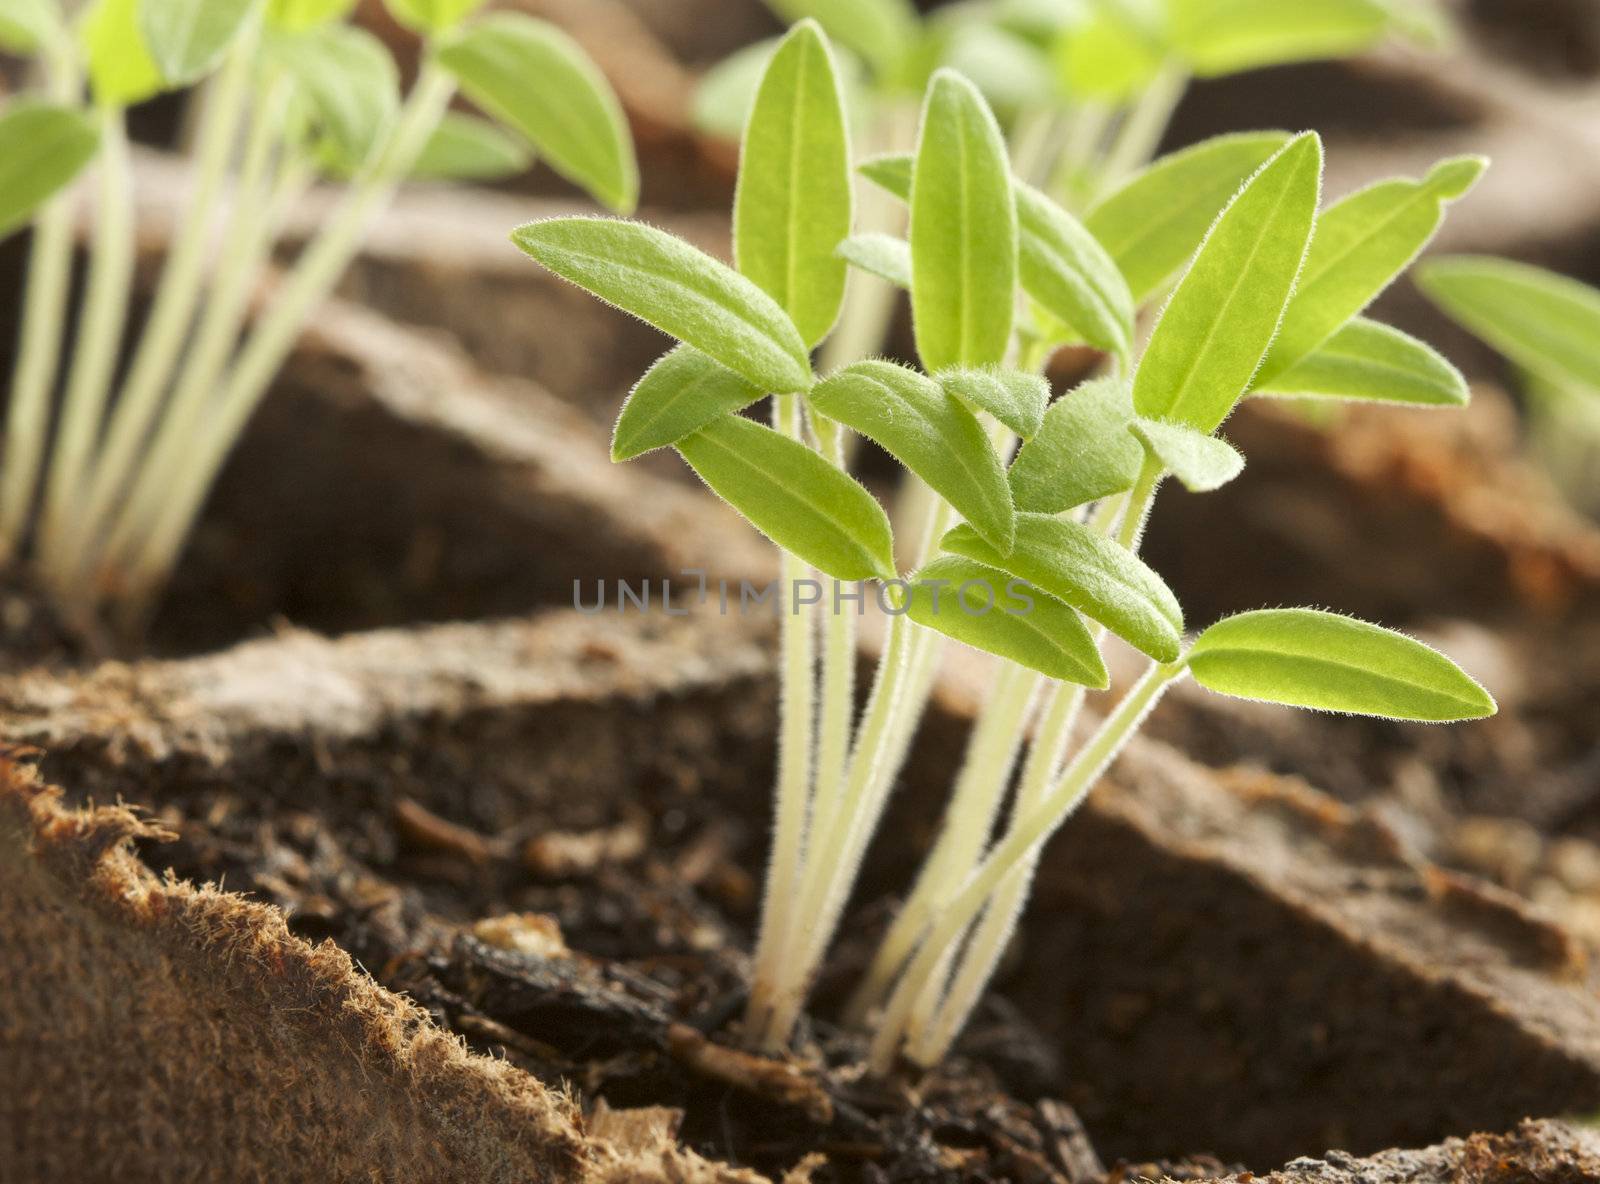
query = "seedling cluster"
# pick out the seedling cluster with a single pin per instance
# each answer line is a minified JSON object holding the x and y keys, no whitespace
{"x":1266,"y":290}
{"x":102,"y":484}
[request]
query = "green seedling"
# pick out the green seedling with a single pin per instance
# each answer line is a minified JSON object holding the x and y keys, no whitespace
{"x":1548,"y":326}
{"x":102,"y":484}
{"x":1029,"y":553}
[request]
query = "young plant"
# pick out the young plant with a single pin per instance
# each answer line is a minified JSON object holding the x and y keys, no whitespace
{"x":1548,"y":326}
{"x":104,"y":484}
{"x":1033,"y":558}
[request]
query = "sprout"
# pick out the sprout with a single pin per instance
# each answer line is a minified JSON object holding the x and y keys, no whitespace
{"x":1031,"y":557}
{"x":104,"y":500}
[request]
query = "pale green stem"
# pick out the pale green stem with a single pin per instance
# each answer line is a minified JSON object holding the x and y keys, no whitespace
{"x":252,"y":231}
{"x":177,"y":296}
{"x":797,"y":695}
{"x":94,"y":361}
{"x":930,"y":1039}
{"x":1024,"y":837}
{"x":964,"y":831}
{"x":900,"y":692}
{"x":838,"y":677}
{"x":1130,"y":533}
{"x":44,"y":315}
{"x":313,"y":278}
{"x":1140,"y":135}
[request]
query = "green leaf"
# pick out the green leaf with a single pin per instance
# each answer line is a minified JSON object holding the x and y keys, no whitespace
{"x":1305,"y":658}
{"x":929,"y":431}
{"x":679,"y":395}
{"x":1070,"y":274}
{"x":42,"y":148}
{"x":1216,"y":328}
{"x":794,"y":201}
{"x":794,"y":497}
{"x":121,"y":70}
{"x":27,"y":25}
{"x":296,"y":16}
{"x":1373,"y":362}
{"x":1219,"y":37}
{"x":350,"y":82}
{"x":1201,"y":462}
{"x":1111,"y":51}
{"x":1021,"y":624}
{"x":1082,"y":453}
{"x":1014,"y":397}
{"x":891,"y":173}
{"x":963,"y":231}
{"x":466,"y":148}
{"x":1361,"y":244}
{"x":431,"y":17}
{"x":883,"y":255}
{"x":881,"y":31}
{"x":1102,"y":580}
{"x":186,"y":38}
{"x":1154,"y":224}
{"x":538,"y":81}
{"x":1546,"y":323}
{"x":682,"y":291}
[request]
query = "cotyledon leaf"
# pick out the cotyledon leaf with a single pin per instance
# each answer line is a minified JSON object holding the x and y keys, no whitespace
{"x":990,"y":610}
{"x":795,"y":497}
{"x":1200,"y":461}
{"x":1101,"y":579}
{"x":1216,"y":328}
{"x":1375,"y":363}
{"x":1014,"y":397}
{"x":43,"y":146}
{"x":1306,"y":658}
{"x":679,"y":395}
{"x":883,"y":255}
{"x":187,"y":37}
{"x":679,"y":289}
{"x":1083,"y":451}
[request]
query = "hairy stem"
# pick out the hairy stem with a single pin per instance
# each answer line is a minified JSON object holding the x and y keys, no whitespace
{"x":797,"y":693}
{"x":838,"y":678}
{"x":1024,"y":837}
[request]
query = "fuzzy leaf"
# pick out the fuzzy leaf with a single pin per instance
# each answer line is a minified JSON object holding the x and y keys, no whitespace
{"x":794,"y":497}
{"x":1222,"y":317}
{"x":186,"y":38}
{"x":1014,"y":397}
{"x":537,"y":80}
{"x":42,"y":148}
{"x":1102,"y":580}
{"x":1070,"y":274}
{"x":879,"y":30}
{"x":431,"y":17}
{"x":1219,"y":37}
{"x":1154,"y":224}
{"x":680,"y":290}
{"x":963,"y":231}
{"x":882,"y":255}
{"x":1361,"y":244}
{"x":121,"y":70}
{"x":1305,"y":658}
{"x":350,"y":82}
{"x":1373,"y":362}
{"x":1546,"y":323}
{"x":1022,"y":624}
{"x":25,"y":25}
{"x":680,"y":394}
{"x":929,"y":431}
{"x":794,"y":201}
{"x":1201,"y":462}
{"x":466,"y":148}
{"x":296,"y":16}
{"x":1082,"y":453}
